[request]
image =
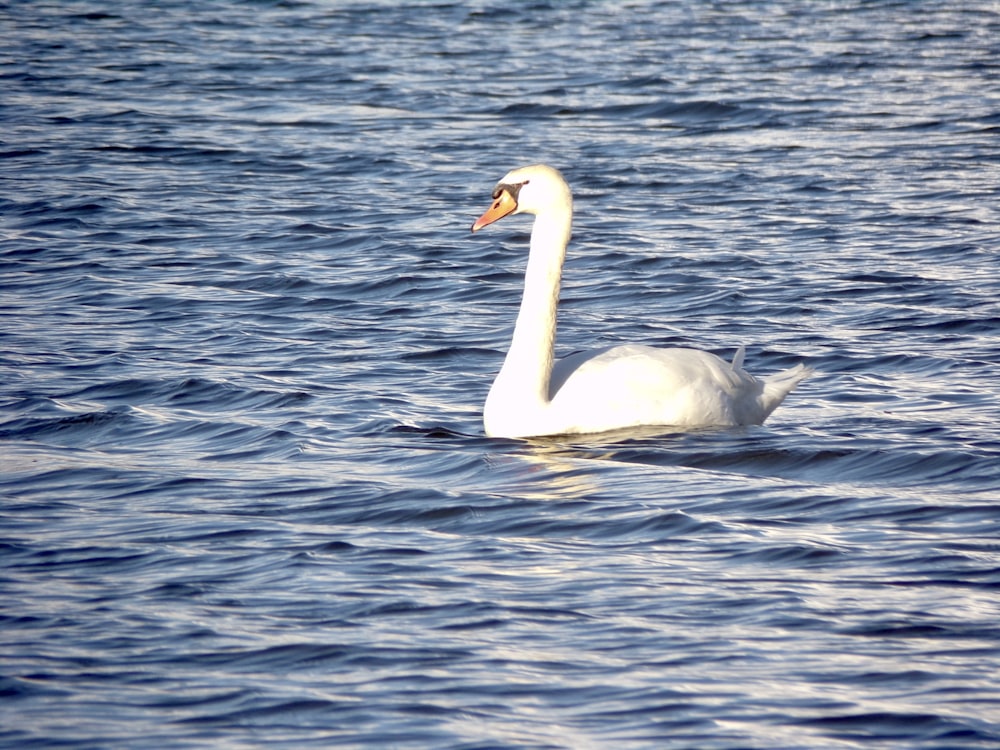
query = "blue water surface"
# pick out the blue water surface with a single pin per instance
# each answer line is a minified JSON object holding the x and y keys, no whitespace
{"x":246,"y":336}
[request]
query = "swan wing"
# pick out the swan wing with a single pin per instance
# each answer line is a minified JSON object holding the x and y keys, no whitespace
{"x":631,"y":385}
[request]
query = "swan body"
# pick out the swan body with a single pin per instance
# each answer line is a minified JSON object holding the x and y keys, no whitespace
{"x":606,"y":389}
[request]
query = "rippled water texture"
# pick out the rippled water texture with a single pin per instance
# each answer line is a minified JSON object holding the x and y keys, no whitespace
{"x":246,"y":336}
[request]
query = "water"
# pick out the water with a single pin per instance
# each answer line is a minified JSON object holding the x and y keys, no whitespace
{"x":247,"y":335}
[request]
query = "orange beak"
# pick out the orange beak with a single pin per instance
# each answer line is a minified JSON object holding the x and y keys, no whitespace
{"x":503,"y":205}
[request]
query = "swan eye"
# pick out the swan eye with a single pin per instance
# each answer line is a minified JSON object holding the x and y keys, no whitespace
{"x":512,"y":189}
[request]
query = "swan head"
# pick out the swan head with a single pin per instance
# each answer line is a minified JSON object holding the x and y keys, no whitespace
{"x":533,"y":190}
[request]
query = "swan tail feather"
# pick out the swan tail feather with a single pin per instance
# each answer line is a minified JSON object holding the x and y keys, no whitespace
{"x":738,"y":357}
{"x":780,"y":384}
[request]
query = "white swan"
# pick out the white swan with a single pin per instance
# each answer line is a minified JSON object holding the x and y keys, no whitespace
{"x":605,"y":389}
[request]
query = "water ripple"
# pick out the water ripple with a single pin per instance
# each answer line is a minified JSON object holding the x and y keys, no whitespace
{"x":247,"y":337}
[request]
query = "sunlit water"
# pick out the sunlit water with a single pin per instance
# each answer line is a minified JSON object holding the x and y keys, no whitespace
{"x":246,"y":337}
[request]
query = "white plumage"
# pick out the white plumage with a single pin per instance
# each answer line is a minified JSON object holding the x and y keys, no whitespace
{"x":606,"y":389}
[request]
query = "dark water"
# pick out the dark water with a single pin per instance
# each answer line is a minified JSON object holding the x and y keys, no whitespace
{"x":246,"y":337}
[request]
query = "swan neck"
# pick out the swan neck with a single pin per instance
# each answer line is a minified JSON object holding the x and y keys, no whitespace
{"x":528,"y":365}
